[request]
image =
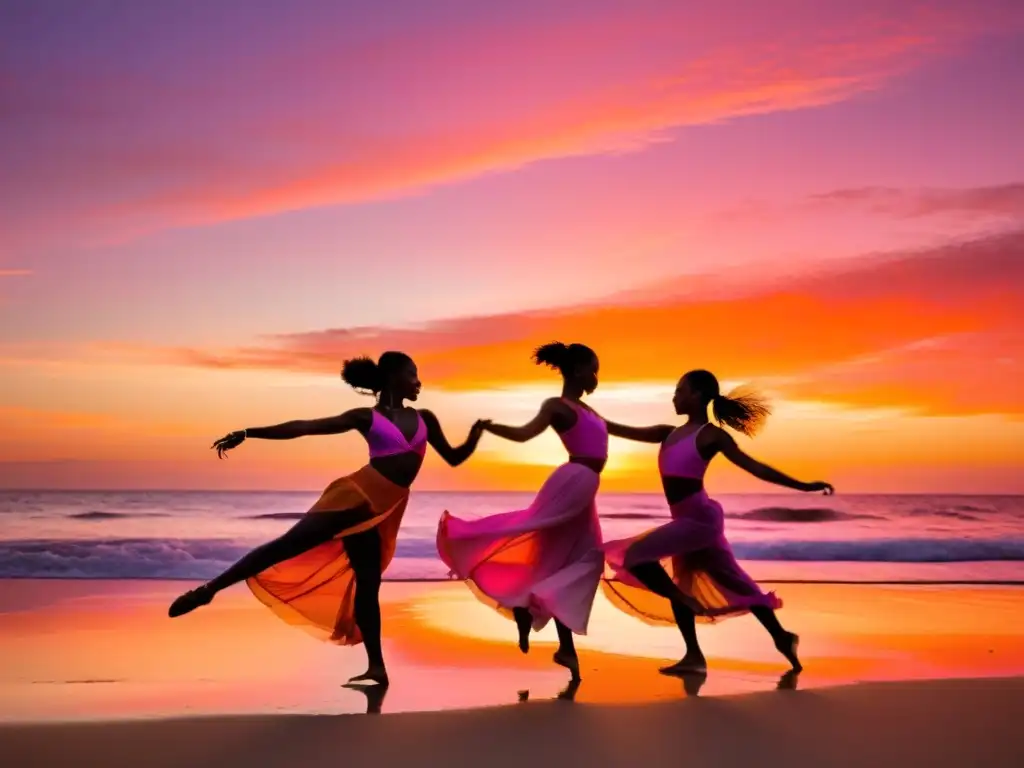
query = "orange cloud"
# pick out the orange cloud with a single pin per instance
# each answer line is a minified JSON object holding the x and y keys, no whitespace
{"x":966,"y":373}
{"x":918,"y":330}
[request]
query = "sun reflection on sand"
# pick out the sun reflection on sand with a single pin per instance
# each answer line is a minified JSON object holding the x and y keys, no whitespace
{"x":107,"y":650}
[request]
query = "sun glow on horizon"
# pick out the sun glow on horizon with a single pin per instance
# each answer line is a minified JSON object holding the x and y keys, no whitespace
{"x":668,"y":186}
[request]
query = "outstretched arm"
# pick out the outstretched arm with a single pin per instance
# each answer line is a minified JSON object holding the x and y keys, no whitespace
{"x":531,"y":429}
{"x":655,"y":434}
{"x":727,"y":446}
{"x":289,"y":430}
{"x":437,"y":439}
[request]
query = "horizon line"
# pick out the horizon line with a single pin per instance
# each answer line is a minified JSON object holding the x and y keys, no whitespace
{"x":660,"y":494}
{"x":441,"y":580}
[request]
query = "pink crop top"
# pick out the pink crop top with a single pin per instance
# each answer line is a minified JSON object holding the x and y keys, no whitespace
{"x":588,"y":437}
{"x":682,"y":459}
{"x":386,"y":439}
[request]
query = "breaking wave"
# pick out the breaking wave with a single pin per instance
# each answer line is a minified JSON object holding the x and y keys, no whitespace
{"x":204,"y":558}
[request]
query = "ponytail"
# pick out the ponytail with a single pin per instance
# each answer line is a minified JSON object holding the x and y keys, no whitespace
{"x":746,"y":412}
{"x":563,"y":357}
{"x":554,"y":354}
{"x":363,"y":375}
{"x":370,"y":378}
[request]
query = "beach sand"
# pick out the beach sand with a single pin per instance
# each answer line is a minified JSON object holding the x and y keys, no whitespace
{"x":944,"y":723}
{"x":93,"y":673}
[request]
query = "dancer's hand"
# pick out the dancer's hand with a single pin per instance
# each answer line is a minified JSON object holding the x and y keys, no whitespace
{"x":819,"y":487}
{"x":226,"y":443}
{"x":479,"y":427}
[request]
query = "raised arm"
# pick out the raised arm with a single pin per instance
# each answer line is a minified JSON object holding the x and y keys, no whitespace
{"x":728,"y":448}
{"x":437,"y":439}
{"x":531,"y":429}
{"x":655,"y":434}
{"x":357,"y":418}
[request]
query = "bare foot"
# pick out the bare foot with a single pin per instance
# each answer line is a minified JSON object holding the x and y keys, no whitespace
{"x":688,"y":665}
{"x":524,"y":623}
{"x":376,"y":675}
{"x":570,"y":661}
{"x":789,"y":680}
{"x":188,"y":602}
{"x":569,"y":692}
{"x":787,"y":646}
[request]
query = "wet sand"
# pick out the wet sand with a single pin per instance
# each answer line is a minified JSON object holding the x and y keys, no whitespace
{"x":938,"y":723}
{"x":230,"y":684}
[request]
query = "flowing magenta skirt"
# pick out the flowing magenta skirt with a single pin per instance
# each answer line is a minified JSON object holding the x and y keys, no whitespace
{"x":546,"y":558}
{"x":694,"y":551}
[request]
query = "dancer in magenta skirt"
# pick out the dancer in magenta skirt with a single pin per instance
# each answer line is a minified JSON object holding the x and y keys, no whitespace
{"x":688,"y":560}
{"x":543,"y":562}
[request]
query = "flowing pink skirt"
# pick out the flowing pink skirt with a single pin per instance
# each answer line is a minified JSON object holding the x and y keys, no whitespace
{"x":694,"y":551}
{"x":546,"y":558}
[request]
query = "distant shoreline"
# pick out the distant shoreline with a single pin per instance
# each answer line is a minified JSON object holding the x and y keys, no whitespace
{"x":817,"y":582}
{"x":769,"y":491}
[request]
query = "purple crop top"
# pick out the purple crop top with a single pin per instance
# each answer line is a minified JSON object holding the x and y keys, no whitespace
{"x":386,"y":439}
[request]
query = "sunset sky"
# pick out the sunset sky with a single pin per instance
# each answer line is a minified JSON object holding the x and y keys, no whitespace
{"x":208,"y":205}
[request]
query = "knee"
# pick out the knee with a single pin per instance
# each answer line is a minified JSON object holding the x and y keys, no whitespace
{"x":368,"y":581}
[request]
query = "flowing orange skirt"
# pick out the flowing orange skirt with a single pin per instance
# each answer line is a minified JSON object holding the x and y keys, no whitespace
{"x":316,"y":590}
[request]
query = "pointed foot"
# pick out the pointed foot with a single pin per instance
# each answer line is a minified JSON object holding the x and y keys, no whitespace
{"x":570,"y":661}
{"x":787,"y":646}
{"x":374,"y":675}
{"x":686,"y":666}
{"x":188,"y":602}
{"x":524,"y":624}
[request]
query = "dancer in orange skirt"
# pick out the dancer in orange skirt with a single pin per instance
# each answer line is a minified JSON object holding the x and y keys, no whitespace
{"x":688,"y":560}
{"x":324,"y":574}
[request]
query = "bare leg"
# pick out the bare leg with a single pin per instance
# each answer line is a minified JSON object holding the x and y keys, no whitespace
{"x":785,"y":642}
{"x":310,"y":531}
{"x":524,"y":623}
{"x":656,"y":579}
{"x":363,"y":551}
{"x":566,"y":654}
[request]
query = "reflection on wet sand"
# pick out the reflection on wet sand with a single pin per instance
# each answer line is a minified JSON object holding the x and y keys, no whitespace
{"x":374,"y":693}
{"x":235,"y":657}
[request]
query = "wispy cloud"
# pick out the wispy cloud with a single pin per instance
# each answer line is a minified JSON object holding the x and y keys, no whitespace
{"x":862,"y":332}
{"x":15,"y":272}
{"x":1002,"y":200}
{"x":248,"y":128}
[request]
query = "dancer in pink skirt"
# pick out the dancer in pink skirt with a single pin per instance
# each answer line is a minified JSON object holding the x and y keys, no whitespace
{"x":688,"y":560}
{"x":543,"y":562}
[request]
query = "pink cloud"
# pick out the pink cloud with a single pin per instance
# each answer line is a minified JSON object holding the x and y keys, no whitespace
{"x":139,"y":142}
{"x":1001,"y":200}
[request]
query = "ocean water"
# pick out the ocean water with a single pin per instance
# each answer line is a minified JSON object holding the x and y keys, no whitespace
{"x":779,"y":537}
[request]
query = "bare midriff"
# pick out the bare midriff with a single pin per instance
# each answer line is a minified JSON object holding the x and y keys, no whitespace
{"x":589,"y":461}
{"x":678,"y":488}
{"x":400,"y":468}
